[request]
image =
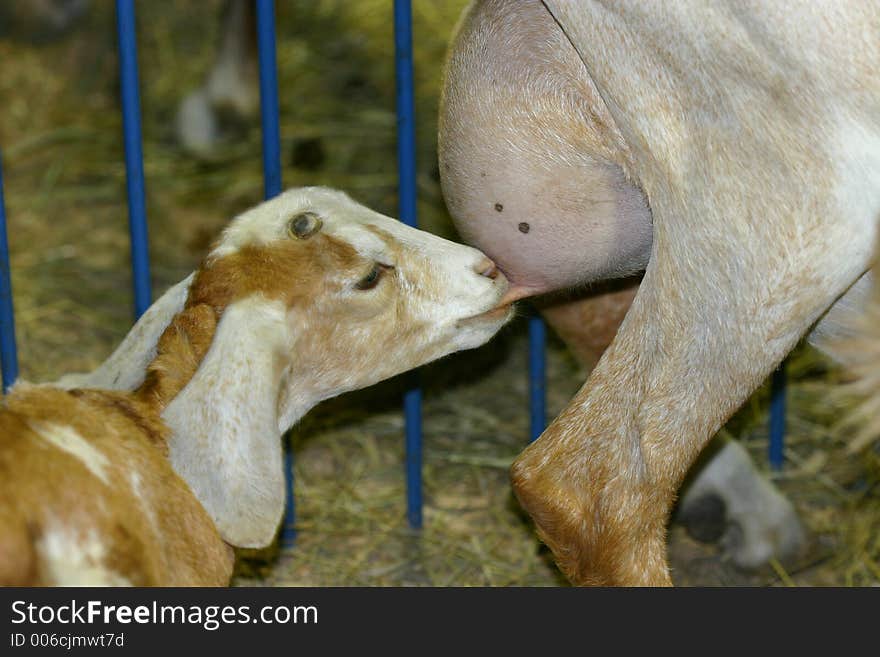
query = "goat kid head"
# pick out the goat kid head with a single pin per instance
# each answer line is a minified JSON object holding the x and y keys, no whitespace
{"x":304,"y":297}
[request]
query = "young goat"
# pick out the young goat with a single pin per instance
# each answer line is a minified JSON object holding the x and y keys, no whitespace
{"x":173,"y":452}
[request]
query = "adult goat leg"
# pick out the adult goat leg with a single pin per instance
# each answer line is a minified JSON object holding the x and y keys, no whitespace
{"x":601,"y":480}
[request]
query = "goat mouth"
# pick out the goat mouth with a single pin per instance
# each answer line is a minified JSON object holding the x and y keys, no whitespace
{"x":516,"y":292}
{"x":499,"y":312}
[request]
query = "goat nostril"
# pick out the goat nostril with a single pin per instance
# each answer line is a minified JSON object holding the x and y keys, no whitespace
{"x":487,"y":268}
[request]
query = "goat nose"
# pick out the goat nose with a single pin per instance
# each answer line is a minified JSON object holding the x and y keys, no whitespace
{"x":487,"y":268}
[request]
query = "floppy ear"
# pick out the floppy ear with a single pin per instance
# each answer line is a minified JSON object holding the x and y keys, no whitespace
{"x":127,"y":366}
{"x":225,"y":439}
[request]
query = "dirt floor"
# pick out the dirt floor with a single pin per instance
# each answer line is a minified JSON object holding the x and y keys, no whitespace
{"x":60,"y":140}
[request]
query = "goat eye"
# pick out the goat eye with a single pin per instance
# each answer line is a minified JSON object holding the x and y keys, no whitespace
{"x":372,"y":279}
{"x":304,"y":225}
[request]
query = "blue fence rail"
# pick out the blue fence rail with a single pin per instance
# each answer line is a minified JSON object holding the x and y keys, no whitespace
{"x":271,"y":139}
{"x":407,"y":194}
{"x":776,"y":443}
{"x":537,"y":377}
{"x":7,"y":316}
{"x":134,"y":157}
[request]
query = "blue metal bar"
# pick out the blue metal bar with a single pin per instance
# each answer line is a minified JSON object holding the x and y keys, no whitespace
{"x":288,"y":528}
{"x":8,"y":355}
{"x":406,"y":162}
{"x":537,"y":377}
{"x":269,"y":98}
{"x":134,"y":159}
{"x":777,"y":418}
{"x":265,"y":10}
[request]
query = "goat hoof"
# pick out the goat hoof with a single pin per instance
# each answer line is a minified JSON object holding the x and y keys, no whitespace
{"x":705,"y":519}
{"x":756,"y":536}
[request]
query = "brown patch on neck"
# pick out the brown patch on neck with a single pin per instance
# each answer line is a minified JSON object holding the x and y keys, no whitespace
{"x":292,"y":272}
{"x":179,"y":352}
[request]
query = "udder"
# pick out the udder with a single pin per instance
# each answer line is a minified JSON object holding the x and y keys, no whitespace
{"x":547,"y":227}
{"x":527,"y":155}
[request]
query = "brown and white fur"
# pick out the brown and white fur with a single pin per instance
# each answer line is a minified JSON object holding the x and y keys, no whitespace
{"x":146,"y":471}
{"x":730,"y":149}
{"x":725,"y":498}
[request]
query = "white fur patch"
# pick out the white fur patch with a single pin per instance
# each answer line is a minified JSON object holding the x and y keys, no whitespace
{"x":72,"y":559}
{"x":857,"y":160}
{"x":134,"y":479}
{"x":66,"y":439}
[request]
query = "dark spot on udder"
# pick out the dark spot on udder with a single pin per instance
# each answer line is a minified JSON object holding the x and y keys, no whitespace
{"x":524,"y":227}
{"x":498,"y":207}
{"x":482,"y":174}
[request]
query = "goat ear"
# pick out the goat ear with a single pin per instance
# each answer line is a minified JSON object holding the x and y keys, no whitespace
{"x":126,"y":367}
{"x":225,"y":438}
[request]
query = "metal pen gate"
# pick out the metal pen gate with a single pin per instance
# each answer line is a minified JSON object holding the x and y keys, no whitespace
{"x":271,"y":140}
